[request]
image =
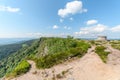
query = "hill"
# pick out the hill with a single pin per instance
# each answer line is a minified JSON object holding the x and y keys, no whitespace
{"x":5,"y":41}
{"x":88,"y":67}
{"x":46,"y":52}
{"x":62,"y":59}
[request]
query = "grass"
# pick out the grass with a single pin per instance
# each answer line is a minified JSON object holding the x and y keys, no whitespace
{"x":21,"y":68}
{"x":115,"y":44}
{"x":59,"y":50}
{"x":100,"y":50}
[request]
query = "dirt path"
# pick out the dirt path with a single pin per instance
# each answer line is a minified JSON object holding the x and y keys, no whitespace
{"x":114,"y":57}
{"x":89,"y":67}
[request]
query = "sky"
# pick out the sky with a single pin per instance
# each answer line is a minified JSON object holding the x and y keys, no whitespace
{"x":78,"y":18}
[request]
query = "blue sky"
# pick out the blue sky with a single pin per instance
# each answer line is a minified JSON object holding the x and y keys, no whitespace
{"x":79,"y":18}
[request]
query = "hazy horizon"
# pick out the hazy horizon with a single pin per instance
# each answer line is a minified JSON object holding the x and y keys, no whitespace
{"x":5,"y":41}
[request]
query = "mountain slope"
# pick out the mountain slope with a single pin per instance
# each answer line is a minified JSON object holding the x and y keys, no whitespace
{"x":62,"y":59}
{"x":6,"y":50}
{"x":12,"y":54}
{"x":89,"y":67}
{"x":46,"y":52}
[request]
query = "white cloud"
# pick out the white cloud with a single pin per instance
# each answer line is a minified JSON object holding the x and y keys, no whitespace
{"x":68,"y":28}
{"x":61,"y":20}
{"x":55,"y":27}
{"x":85,"y":10}
{"x":71,"y":19}
{"x":9,"y":9}
{"x":71,"y":8}
{"x":99,"y":28}
{"x":115,"y":29}
{"x":82,"y":33}
{"x":91,"y":22}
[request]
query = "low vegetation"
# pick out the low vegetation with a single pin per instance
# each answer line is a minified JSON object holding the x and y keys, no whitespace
{"x":100,"y":50}
{"x":115,"y":44}
{"x":93,"y":42}
{"x":59,"y":50}
{"x":46,"y":52}
{"x":8,"y":63}
{"x":21,"y":68}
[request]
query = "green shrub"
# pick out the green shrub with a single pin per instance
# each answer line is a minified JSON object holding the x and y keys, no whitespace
{"x":21,"y":68}
{"x":115,"y":44}
{"x":92,"y":42}
{"x":100,"y":50}
{"x":59,"y":50}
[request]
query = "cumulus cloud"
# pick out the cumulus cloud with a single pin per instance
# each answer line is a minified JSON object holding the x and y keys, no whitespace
{"x":9,"y":9}
{"x":71,"y":19}
{"x":82,"y":33}
{"x":55,"y":27}
{"x":91,"y":22}
{"x":115,"y":29}
{"x":71,"y":8}
{"x":68,"y":28}
{"x":61,"y":20}
{"x":99,"y":28}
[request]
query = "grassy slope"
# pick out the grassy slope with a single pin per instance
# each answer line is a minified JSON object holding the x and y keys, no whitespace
{"x":46,"y":52}
{"x":53,"y":51}
{"x":21,"y":68}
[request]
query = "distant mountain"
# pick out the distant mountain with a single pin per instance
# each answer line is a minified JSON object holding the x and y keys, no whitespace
{"x":4,"y":41}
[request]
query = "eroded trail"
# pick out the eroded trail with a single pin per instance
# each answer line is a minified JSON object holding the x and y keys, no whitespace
{"x":114,"y":57}
{"x":89,"y":67}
